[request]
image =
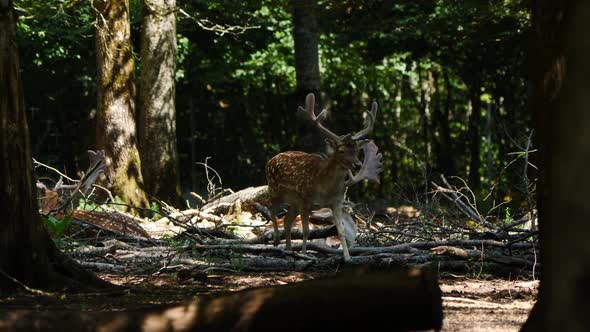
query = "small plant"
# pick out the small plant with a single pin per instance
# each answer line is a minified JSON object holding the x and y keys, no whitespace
{"x":175,"y":243}
{"x":85,"y":204}
{"x":508,"y":216}
{"x":156,"y":210}
{"x":57,"y":227}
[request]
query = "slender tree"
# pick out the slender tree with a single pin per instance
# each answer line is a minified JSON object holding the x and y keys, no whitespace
{"x":27,"y":254}
{"x":561,"y":99}
{"x":115,"y":122}
{"x":474,"y":133}
{"x":157,"y":92}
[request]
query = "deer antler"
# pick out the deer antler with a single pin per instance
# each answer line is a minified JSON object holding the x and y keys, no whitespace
{"x":308,"y":114}
{"x":369,"y":122}
{"x":371,"y":165}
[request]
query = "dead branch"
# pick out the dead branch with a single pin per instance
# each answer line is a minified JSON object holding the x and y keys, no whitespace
{"x":451,"y":195}
{"x":94,"y":251}
{"x":249,"y":197}
{"x":254,"y":249}
{"x":186,"y":215}
{"x":318,"y":233}
{"x":102,"y":266}
{"x":114,"y":234}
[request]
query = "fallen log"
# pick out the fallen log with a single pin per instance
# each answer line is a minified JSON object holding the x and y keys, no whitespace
{"x":403,"y":300}
{"x":249,"y":198}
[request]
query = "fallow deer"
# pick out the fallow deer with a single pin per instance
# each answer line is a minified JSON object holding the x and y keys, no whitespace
{"x":304,"y":180}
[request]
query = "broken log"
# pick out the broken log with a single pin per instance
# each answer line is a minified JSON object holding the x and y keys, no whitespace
{"x":403,"y":300}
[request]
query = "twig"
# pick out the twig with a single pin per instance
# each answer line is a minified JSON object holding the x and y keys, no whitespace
{"x":525,"y":179}
{"x":25,"y":287}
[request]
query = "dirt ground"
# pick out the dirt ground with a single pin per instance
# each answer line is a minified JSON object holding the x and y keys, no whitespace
{"x":486,"y":305}
{"x":470,"y":304}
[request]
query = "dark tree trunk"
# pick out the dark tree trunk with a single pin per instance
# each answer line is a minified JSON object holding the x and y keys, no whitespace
{"x":116,"y":130}
{"x":489,"y":131}
{"x":27,"y":254}
{"x":305,"y":35}
{"x":424,"y":102}
{"x":442,"y":145}
{"x":447,"y":162}
{"x":561,"y":71}
{"x":474,"y":135}
{"x":157,"y":100}
{"x":307,"y":66}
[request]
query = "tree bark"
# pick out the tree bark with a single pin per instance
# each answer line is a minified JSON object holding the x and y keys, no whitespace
{"x":27,"y":254}
{"x":116,"y":130}
{"x":474,"y":134}
{"x":305,"y":35}
{"x":307,"y":66}
{"x":440,"y":117}
{"x":424,"y":102}
{"x":157,"y":92}
{"x":560,"y":73}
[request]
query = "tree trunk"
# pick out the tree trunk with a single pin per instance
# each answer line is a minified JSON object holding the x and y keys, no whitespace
{"x":474,"y":137}
{"x":490,"y":161}
{"x":27,"y":254}
{"x":157,"y":100}
{"x":425,"y":85}
{"x":116,"y":131}
{"x":305,"y":35}
{"x":440,"y":116}
{"x":561,"y":71}
{"x":307,"y":66}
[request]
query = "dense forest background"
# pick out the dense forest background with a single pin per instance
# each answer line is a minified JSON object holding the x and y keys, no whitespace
{"x":448,"y":77}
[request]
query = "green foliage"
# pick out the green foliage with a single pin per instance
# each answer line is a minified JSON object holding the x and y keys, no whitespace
{"x":174,"y":242}
{"x":57,"y":227}
{"x":508,"y":216}
{"x":88,"y":205}
{"x":235,"y":91}
{"x":156,"y":209}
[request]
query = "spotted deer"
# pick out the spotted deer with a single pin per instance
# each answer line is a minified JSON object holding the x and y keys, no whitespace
{"x":304,"y":181}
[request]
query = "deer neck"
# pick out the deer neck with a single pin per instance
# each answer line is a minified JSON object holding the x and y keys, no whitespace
{"x":333,"y":172}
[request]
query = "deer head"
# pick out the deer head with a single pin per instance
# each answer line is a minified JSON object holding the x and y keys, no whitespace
{"x":346,"y":148}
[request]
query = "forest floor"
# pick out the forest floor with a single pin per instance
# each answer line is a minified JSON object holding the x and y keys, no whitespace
{"x":470,"y":304}
{"x":485,"y":266}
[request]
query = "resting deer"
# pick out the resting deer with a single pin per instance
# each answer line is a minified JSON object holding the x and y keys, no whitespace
{"x":304,"y":180}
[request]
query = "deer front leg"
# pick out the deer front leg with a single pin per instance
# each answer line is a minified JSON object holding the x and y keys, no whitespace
{"x":305,"y":212}
{"x":288,"y":223}
{"x":338,"y":221}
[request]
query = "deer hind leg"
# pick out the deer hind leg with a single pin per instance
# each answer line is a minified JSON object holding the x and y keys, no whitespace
{"x":273,"y":216}
{"x":338,"y":221}
{"x":288,"y":223}
{"x":305,"y":212}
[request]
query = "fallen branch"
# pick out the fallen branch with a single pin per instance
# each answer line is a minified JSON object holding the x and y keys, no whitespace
{"x":101,"y":266}
{"x":254,"y":249}
{"x":186,"y":215}
{"x":452,"y":196}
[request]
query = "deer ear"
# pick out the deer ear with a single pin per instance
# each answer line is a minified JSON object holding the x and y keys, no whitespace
{"x":331,"y":143}
{"x":362,"y":142}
